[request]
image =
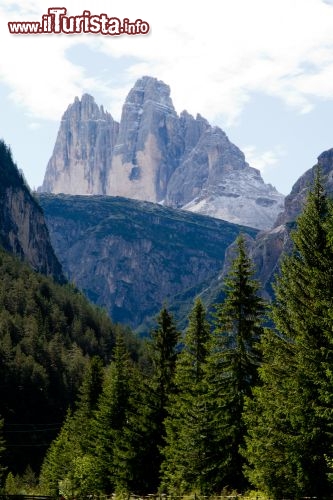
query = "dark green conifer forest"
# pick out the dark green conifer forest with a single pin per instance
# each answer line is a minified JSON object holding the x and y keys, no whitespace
{"x":239,"y":401}
{"x":289,"y":419}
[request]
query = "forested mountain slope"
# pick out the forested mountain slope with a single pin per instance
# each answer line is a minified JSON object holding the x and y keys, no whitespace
{"x":47,"y":334}
{"x":48,"y":329}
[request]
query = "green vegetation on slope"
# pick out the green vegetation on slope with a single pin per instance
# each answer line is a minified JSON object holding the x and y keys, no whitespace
{"x":9,"y":174}
{"x":242,"y":406}
{"x":174,"y":423}
{"x":48,"y":332}
{"x":290,"y":419}
{"x":233,"y":405}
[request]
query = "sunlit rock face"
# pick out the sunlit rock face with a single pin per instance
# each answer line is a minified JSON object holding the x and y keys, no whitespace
{"x":156,"y":155}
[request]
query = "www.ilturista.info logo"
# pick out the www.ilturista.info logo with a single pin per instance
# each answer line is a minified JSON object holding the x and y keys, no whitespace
{"x":56,"y":22}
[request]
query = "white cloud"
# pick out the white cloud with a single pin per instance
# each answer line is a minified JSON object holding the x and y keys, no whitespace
{"x":36,"y":69}
{"x":263,"y":160}
{"x":34,"y":126}
{"x":213,"y":55}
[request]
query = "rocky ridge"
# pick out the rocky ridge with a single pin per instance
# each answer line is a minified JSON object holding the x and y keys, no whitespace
{"x":23,"y":231}
{"x":156,"y":155}
{"x":130,"y":256}
{"x":82,"y":150}
{"x":267,"y":248}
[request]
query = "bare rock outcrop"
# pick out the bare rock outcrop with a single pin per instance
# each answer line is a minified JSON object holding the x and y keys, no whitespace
{"x":83,"y":150}
{"x":268,"y":247}
{"x":23,"y":231}
{"x":132,"y":256}
{"x":295,"y":200}
{"x":156,"y":155}
{"x":149,"y":144}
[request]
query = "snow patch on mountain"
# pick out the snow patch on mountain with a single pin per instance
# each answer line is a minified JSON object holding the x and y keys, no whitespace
{"x":241,"y":198}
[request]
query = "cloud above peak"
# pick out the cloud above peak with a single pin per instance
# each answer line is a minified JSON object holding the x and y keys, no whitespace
{"x":213,"y":58}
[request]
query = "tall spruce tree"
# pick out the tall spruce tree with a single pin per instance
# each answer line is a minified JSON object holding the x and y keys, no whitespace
{"x":86,"y":405}
{"x":269,"y":449}
{"x":139,"y":454}
{"x":290,"y":419}
{"x":163,"y":355}
{"x":184,"y":465}
{"x":75,"y":436}
{"x":57,"y":466}
{"x":110,"y":417}
{"x":231,"y":370}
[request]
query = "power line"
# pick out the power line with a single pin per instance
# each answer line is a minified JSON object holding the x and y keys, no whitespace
{"x":32,"y":430}
{"x":41,"y":445}
{"x":38,"y":425}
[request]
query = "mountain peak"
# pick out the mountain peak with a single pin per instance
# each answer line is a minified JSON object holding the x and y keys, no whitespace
{"x":156,"y":155}
{"x":149,"y":90}
{"x":85,"y":109}
{"x":151,"y":84}
{"x":82,"y":151}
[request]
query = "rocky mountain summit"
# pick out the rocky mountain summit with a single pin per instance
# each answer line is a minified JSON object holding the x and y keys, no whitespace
{"x":156,"y":155}
{"x":83,"y":149}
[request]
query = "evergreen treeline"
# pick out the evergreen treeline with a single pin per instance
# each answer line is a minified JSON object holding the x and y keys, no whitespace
{"x":48,"y":333}
{"x":241,"y":402}
{"x":9,"y":174}
{"x":289,"y":420}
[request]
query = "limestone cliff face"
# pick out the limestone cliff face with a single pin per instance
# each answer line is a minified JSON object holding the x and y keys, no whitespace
{"x":295,"y":200}
{"x":156,"y":155}
{"x":23,"y":231}
{"x":149,"y":143}
{"x":83,"y":150}
{"x":131,"y":256}
{"x":266,"y":251}
{"x":267,"y":248}
{"x":215,"y":180}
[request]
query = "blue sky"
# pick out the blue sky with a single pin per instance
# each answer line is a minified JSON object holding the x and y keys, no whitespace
{"x":260,"y":69}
